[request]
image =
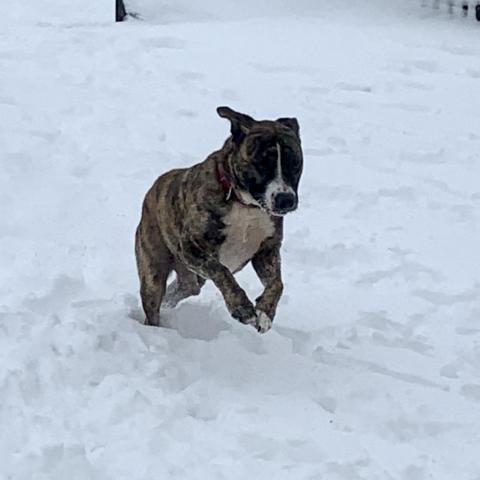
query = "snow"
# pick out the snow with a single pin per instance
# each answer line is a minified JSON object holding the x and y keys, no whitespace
{"x":372,"y":368}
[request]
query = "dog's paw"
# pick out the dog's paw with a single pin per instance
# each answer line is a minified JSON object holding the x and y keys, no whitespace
{"x":251,"y":321}
{"x":245,"y":314}
{"x":169,"y":303}
{"x":264,"y":322}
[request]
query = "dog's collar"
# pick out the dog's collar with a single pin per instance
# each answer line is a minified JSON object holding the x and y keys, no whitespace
{"x":227,"y":185}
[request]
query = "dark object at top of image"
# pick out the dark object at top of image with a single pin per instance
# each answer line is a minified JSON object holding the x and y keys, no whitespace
{"x":120,"y":12}
{"x":452,"y":4}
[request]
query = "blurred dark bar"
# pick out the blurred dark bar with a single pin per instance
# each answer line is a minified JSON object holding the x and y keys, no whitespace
{"x":120,"y":12}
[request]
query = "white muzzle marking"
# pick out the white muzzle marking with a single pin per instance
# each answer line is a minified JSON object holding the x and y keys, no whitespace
{"x":277,"y":185}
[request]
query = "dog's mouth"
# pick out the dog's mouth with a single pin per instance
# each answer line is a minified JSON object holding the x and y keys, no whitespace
{"x":276,"y":212}
{"x":277,"y":205}
{"x":281,"y":213}
{"x":280,"y":203}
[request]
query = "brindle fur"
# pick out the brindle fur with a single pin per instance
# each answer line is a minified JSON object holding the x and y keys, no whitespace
{"x":182,"y":229}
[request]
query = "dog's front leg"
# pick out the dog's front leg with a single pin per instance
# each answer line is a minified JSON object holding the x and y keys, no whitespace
{"x":266,"y":263}
{"x":238,"y":304}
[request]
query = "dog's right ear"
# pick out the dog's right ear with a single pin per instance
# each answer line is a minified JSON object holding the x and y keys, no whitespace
{"x":240,"y":124}
{"x":292,"y":124}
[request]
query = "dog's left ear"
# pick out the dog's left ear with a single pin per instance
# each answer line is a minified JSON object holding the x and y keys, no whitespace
{"x":291,"y":123}
{"x":240,"y":123}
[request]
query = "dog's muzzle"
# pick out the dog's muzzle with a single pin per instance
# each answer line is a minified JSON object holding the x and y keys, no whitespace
{"x":284,"y":202}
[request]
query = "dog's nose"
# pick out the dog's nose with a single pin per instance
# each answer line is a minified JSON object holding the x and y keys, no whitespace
{"x":284,"y":202}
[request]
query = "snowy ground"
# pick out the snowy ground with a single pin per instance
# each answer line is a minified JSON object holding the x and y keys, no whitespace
{"x":372,"y":370}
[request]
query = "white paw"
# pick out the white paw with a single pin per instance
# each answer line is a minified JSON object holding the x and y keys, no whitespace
{"x":264,"y":322}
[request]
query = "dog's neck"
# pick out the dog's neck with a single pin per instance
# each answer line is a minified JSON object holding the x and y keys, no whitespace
{"x":225,"y":178}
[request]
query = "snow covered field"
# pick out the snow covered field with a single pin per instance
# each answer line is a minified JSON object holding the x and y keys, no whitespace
{"x":372,"y":369}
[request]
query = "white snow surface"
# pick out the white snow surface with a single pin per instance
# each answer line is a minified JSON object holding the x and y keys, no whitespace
{"x":372,"y":368}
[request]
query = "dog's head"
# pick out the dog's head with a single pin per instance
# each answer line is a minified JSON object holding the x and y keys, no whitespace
{"x":267,"y":161}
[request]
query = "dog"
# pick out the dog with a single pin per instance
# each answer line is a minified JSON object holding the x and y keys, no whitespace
{"x":208,"y":221}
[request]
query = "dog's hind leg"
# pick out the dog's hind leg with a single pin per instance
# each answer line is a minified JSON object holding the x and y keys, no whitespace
{"x":187,"y":284}
{"x":154,"y":264}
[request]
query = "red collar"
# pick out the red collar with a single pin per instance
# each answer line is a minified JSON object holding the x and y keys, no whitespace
{"x":227,"y":185}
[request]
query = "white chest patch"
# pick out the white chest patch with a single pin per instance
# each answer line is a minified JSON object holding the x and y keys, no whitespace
{"x":246,"y":229}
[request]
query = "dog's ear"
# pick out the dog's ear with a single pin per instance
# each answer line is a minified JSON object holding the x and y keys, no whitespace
{"x":240,"y":124}
{"x":291,"y":123}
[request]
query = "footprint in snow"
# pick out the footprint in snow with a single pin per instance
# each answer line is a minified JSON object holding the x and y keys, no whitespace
{"x":450,"y":370}
{"x":352,"y":87}
{"x":183,"y":112}
{"x":471,"y":391}
{"x":424,"y":87}
{"x":163,"y":42}
{"x":428,"y":158}
{"x":194,"y":320}
{"x":446,"y":299}
{"x":473,"y":73}
{"x":189,"y":77}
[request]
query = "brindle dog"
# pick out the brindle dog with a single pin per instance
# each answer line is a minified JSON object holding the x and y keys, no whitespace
{"x":210,"y":220}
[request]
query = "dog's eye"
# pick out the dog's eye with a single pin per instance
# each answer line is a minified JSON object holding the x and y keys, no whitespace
{"x":268,"y":159}
{"x":291,"y":160}
{"x":270,"y":153}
